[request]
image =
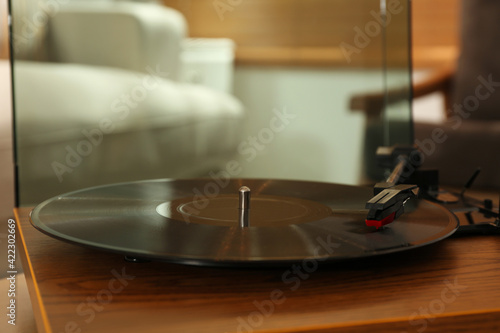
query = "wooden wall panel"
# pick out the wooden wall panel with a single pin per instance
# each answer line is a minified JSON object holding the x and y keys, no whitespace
{"x":436,"y":28}
{"x":4,"y":30}
{"x":283,"y":31}
{"x":309,"y":32}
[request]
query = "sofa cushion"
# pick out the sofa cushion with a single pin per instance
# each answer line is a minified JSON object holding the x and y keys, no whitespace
{"x":102,"y":125}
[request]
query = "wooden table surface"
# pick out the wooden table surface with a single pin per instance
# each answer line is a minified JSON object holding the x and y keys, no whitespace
{"x":449,"y":286}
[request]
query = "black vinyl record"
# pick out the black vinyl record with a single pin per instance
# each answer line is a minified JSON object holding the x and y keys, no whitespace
{"x":199,"y":221}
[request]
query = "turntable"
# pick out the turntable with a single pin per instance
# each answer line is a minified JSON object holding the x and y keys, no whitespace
{"x":187,"y":270}
{"x":240,"y":258}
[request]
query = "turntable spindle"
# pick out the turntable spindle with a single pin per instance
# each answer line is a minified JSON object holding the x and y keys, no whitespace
{"x":244,"y":206}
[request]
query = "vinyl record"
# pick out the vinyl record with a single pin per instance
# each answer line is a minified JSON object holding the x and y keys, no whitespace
{"x":202,"y":221}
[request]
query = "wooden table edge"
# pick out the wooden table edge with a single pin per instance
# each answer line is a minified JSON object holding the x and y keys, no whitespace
{"x":39,"y":312}
{"x":383,"y":325}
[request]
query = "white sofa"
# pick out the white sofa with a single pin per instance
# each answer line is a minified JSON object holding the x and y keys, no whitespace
{"x":105,"y":105}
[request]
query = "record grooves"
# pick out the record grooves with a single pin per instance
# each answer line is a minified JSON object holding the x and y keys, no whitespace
{"x":271,"y":222}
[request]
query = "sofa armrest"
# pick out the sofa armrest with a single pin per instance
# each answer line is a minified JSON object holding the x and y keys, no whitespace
{"x":373,"y":103}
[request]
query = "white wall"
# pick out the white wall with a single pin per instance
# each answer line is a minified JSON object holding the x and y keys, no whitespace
{"x":428,"y":109}
{"x":324,"y":142}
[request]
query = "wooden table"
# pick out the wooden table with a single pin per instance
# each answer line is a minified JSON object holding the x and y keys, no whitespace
{"x":449,"y":286}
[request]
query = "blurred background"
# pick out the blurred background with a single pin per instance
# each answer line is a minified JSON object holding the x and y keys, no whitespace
{"x":245,"y":64}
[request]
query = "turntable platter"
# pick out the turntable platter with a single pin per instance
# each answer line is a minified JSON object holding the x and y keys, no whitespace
{"x":202,"y":222}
